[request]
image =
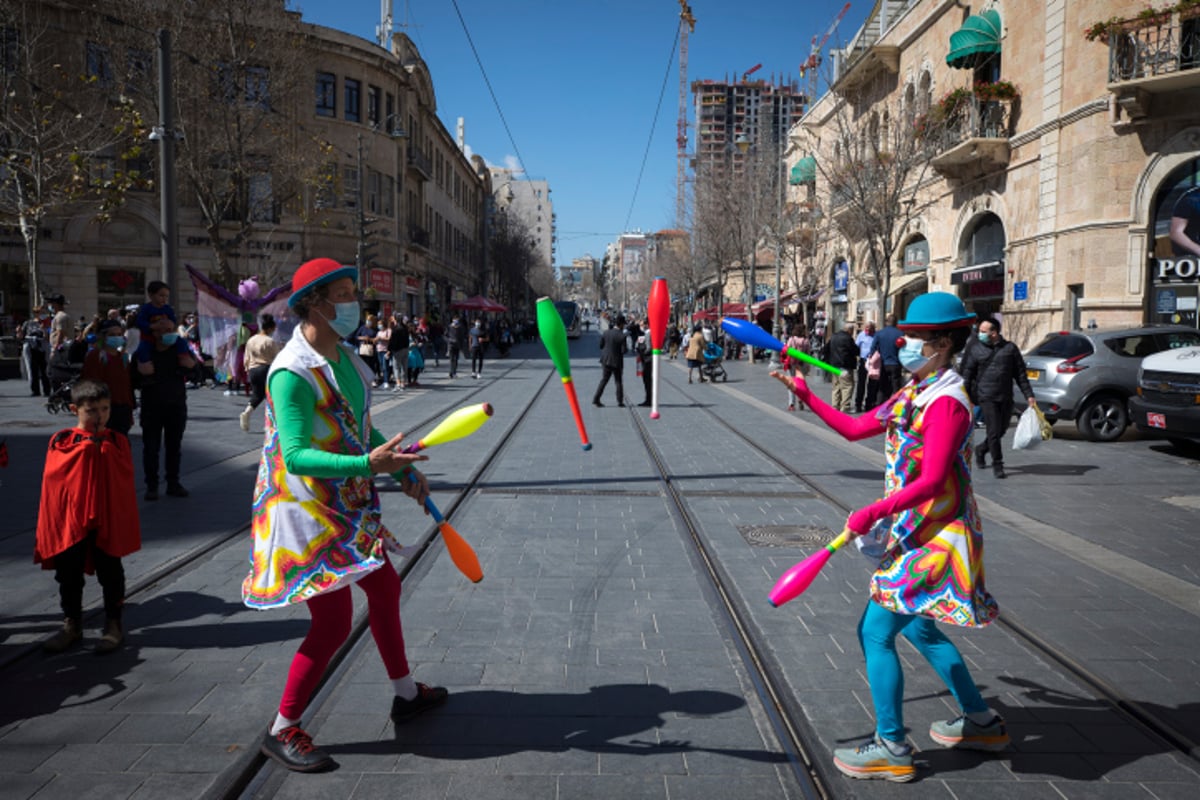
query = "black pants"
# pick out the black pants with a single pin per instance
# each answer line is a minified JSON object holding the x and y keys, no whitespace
{"x":39,"y":381}
{"x":453,"y":361}
{"x":996,"y":416}
{"x":69,"y":571}
{"x":615,"y":373}
{"x":258,"y":384}
{"x":476,"y":360}
{"x":162,"y":423}
{"x":121,"y":418}
{"x":889,"y":382}
{"x":648,"y":377}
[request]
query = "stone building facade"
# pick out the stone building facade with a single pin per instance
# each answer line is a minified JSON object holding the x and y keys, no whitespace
{"x":1053,"y":208}
{"x":394,"y":179}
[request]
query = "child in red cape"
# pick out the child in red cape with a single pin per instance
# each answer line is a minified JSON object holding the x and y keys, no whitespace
{"x":88,"y":516}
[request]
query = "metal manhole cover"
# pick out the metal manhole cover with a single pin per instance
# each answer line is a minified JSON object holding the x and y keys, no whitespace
{"x":786,"y":535}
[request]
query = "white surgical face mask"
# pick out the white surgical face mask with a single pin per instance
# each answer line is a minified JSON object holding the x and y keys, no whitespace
{"x":911,"y":356}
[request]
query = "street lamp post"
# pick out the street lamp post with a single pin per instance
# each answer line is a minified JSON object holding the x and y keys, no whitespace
{"x":743,"y":143}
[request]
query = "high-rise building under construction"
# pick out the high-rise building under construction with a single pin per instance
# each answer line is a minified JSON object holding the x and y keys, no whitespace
{"x":755,"y":113}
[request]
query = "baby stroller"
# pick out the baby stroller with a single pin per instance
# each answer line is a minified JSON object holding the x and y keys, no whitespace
{"x":712,"y":368}
{"x":63,"y":371}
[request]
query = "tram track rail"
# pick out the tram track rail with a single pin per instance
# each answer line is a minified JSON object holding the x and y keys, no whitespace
{"x":1129,"y":708}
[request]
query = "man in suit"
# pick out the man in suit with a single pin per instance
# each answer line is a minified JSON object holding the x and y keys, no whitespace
{"x":612,"y":358}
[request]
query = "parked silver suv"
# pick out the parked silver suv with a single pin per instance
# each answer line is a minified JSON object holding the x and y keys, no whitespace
{"x":1089,"y":376}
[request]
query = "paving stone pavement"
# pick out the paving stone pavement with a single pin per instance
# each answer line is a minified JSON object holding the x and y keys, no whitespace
{"x":590,"y":661}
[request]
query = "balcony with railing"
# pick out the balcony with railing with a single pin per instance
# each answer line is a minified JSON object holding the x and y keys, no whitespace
{"x":419,"y":162}
{"x":418,"y":237}
{"x":971,"y":138}
{"x":1152,"y":59}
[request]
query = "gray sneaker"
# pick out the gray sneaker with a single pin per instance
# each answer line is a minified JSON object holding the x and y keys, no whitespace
{"x":967,"y":735}
{"x":874,"y":761}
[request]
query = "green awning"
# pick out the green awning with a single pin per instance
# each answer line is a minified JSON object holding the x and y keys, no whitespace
{"x":805,"y":171}
{"x":976,"y":41}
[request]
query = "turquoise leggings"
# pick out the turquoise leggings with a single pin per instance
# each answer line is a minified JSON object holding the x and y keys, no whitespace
{"x":877,"y":632}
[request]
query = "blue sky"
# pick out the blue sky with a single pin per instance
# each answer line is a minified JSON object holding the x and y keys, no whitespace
{"x":579,"y":83}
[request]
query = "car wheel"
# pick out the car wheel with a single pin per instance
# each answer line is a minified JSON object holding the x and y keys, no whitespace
{"x":1103,"y":419}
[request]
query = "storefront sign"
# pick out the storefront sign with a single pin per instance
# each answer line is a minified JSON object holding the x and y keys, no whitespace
{"x":916,"y":256}
{"x":412,"y":284}
{"x":978,"y":272}
{"x":1165,"y":302}
{"x":1179,"y":270}
{"x":841,"y":276}
{"x":381,"y":281}
{"x":1021,"y":290}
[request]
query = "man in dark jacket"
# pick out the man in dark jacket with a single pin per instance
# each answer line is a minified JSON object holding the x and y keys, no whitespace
{"x":843,"y":352}
{"x":612,"y":358}
{"x":989,"y":370}
{"x":885,"y":344}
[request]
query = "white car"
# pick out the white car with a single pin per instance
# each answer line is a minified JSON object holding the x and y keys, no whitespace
{"x":1168,"y":395}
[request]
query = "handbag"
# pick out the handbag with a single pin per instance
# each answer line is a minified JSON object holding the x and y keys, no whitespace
{"x":366,"y":350}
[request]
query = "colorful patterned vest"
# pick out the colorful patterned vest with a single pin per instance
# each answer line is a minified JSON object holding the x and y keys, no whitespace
{"x":934,"y":561}
{"x":314,"y":535}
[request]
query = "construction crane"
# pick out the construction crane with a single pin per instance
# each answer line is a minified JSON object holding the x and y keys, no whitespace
{"x":746,"y":75}
{"x":687,"y":24}
{"x":811,"y":67}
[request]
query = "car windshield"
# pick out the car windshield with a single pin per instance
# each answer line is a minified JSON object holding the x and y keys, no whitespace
{"x":1175,"y":339}
{"x":1058,"y":345}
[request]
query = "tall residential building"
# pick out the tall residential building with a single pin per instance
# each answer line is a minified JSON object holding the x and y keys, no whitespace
{"x":530,"y":201}
{"x":758,"y":110}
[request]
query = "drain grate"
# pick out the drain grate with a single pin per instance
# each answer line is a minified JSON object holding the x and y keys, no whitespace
{"x":786,"y":535}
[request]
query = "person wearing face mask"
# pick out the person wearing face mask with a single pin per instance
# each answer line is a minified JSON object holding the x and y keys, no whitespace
{"x":989,"y":369}
{"x":105,"y":363}
{"x":316,"y":517}
{"x":932,"y":570}
{"x":163,"y":385}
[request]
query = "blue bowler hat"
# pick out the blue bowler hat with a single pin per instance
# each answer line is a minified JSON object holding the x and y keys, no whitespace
{"x":934,"y":311}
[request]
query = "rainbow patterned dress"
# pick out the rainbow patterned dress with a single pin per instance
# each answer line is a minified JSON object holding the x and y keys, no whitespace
{"x":314,"y":535}
{"x":934,"y":561}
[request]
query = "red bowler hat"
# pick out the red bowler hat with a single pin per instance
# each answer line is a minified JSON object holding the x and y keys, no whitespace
{"x":318,"y":272}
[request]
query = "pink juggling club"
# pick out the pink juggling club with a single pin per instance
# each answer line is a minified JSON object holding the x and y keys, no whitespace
{"x":658,"y":309}
{"x":793,"y":582}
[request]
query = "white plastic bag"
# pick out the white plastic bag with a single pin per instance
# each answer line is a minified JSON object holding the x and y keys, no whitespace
{"x":1029,"y":430}
{"x":873,"y":543}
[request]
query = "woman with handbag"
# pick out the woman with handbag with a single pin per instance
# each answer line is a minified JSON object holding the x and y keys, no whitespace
{"x":366,"y":344}
{"x":798,"y":342}
{"x":932,"y":568}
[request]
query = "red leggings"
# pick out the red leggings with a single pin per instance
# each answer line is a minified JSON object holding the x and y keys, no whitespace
{"x":332,"y":614}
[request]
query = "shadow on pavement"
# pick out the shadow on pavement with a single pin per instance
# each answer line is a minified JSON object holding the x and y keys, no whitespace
{"x":606,"y":719}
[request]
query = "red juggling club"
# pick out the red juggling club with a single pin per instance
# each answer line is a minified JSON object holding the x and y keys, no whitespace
{"x":658,"y":309}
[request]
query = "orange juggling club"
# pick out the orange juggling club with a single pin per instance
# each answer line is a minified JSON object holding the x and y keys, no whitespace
{"x":461,"y":553}
{"x":793,"y":582}
{"x":657,"y":310}
{"x":554,"y":337}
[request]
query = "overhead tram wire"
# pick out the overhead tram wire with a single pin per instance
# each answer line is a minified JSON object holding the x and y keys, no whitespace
{"x":654,"y":123}
{"x":511,"y":139}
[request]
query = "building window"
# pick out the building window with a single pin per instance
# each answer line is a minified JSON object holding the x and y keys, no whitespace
{"x":260,"y":200}
{"x":350,"y":187}
{"x":99,"y":64}
{"x":389,"y":196}
{"x":326,"y":194}
{"x":258,"y":83}
{"x":389,"y":109}
{"x":353,"y":100}
{"x":373,"y":95}
{"x":137,"y":71}
{"x":326,"y":94}
{"x":373,"y":191}
{"x":224,"y":83}
{"x":10,"y":50}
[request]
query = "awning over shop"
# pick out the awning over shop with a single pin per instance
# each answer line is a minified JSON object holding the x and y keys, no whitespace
{"x":991,"y":271}
{"x":769,"y":304}
{"x":976,"y":41}
{"x":903,"y":283}
{"x":805,"y":171}
{"x":728,"y":309}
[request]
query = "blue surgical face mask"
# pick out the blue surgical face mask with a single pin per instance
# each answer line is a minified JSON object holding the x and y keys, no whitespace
{"x":115,"y":342}
{"x":985,"y":337}
{"x":345,"y":319}
{"x":911,"y":356}
{"x":169,"y":338}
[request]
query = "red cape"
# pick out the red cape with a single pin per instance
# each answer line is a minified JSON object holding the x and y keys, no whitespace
{"x":87,"y":485}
